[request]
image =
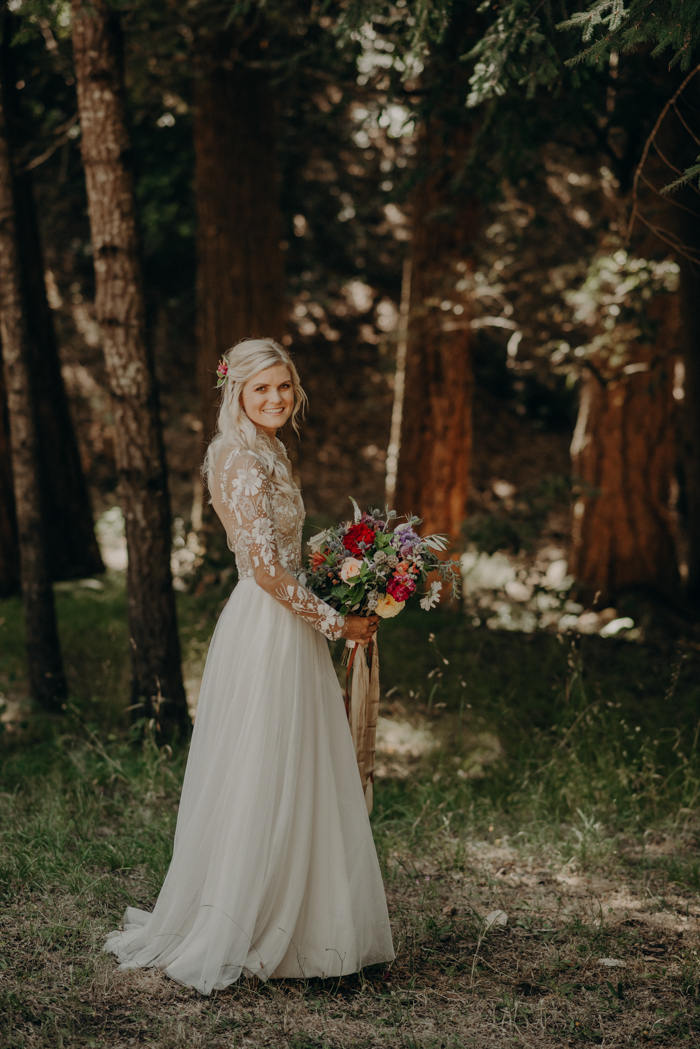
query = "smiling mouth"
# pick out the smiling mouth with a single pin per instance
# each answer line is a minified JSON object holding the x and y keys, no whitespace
{"x":273,"y":411}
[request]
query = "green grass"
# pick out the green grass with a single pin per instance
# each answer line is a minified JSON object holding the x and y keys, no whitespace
{"x":563,"y":791}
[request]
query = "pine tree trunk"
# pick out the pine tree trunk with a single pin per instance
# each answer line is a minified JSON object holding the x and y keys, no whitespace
{"x":690,"y":423}
{"x":434,"y":457}
{"x":240,"y":265}
{"x":9,"y":549}
{"x":623,"y":461}
{"x":69,"y":534}
{"x":156,"y":672}
{"x":46,"y":678}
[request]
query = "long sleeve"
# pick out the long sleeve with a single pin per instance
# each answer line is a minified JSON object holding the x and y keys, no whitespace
{"x":242,"y":500}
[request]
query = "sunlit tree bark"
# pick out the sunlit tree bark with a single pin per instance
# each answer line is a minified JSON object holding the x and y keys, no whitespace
{"x":436,"y":427}
{"x":240,"y":266}
{"x":156,"y":673}
{"x":623,"y":462}
{"x":46,"y":678}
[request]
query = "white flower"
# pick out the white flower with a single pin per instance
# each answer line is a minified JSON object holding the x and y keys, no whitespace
{"x":318,"y":541}
{"x":262,"y":538}
{"x":351,"y":568}
{"x":431,"y":599}
{"x":247,"y":481}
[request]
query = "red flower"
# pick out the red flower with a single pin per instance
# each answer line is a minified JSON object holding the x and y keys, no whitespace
{"x":317,"y":559}
{"x":356,"y":534}
{"x":400,"y":588}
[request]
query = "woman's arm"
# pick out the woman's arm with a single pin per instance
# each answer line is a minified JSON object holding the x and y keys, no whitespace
{"x":246,"y":511}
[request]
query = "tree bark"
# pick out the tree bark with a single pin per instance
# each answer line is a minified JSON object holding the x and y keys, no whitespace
{"x":157,"y":688}
{"x":689,"y":429}
{"x":46,"y":678}
{"x":623,"y":459}
{"x":434,"y":456}
{"x":240,"y":264}
{"x":9,"y":549}
{"x":68,"y":530}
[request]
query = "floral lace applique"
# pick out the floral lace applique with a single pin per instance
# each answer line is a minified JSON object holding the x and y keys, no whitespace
{"x":263,"y":525}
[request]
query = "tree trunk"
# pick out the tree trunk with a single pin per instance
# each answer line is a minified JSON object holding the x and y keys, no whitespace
{"x":434,"y":456}
{"x":156,"y":673}
{"x":690,"y":423}
{"x":623,"y":458}
{"x":68,"y":530}
{"x":240,"y":265}
{"x":46,"y":678}
{"x":9,"y":549}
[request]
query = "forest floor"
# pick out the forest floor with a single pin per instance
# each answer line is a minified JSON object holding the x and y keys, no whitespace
{"x":536,"y":818}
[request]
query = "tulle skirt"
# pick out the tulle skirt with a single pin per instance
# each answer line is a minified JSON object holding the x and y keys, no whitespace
{"x":274,"y":871}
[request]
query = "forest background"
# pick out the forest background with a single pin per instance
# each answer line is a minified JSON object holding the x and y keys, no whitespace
{"x":456,"y":215}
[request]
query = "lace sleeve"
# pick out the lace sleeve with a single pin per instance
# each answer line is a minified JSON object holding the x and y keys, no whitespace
{"x":245,"y":511}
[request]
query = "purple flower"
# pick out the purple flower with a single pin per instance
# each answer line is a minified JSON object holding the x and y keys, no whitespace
{"x":405,"y":539}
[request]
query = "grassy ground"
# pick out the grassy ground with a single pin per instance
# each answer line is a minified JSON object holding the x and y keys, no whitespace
{"x":536,"y":821}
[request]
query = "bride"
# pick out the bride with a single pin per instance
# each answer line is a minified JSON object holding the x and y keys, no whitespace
{"x":274,"y":871}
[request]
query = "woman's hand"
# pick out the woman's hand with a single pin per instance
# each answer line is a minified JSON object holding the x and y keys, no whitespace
{"x":360,"y":628}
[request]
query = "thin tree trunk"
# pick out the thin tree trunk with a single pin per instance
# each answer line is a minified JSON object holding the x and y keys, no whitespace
{"x":46,"y":678}
{"x":623,"y":459}
{"x":156,"y":671}
{"x":434,"y":457}
{"x":9,"y":549}
{"x":240,"y":265}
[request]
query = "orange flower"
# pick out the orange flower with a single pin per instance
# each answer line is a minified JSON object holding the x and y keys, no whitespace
{"x":317,"y":559}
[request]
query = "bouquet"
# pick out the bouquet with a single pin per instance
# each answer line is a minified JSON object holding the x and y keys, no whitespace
{"x":375,"y":563}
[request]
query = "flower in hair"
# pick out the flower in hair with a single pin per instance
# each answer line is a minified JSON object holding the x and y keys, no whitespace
{"x":222,"y":372}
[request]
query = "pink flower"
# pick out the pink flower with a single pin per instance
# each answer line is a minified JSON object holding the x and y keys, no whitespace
{"x":350,"y":568}
{"x":222,"y":372}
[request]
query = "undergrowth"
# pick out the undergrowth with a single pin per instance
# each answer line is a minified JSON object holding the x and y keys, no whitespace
{"x":562,"y":791}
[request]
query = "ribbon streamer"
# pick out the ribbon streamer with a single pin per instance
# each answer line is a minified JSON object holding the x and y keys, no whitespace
{"x":362,"y":708}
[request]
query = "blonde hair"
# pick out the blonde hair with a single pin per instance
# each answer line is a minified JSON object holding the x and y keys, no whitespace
{"x":233,"y":427}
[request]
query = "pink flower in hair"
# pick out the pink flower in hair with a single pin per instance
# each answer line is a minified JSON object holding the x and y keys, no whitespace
{"x":222,"y":372}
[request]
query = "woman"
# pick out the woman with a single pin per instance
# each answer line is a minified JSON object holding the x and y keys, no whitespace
{"x":274,"y":871}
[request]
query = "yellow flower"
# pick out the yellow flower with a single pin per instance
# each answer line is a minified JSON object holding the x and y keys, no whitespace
{"x":388,"y":607}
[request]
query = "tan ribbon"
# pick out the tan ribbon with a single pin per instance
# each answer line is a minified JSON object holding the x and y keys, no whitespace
{"x":364,"y":710}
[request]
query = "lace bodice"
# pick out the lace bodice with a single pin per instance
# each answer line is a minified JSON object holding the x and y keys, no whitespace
{"x":263,"y":525}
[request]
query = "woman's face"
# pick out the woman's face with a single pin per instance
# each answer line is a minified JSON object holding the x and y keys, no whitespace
{"x":268,"y":398}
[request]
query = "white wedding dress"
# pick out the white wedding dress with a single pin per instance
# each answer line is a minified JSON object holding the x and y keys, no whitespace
{"x":274,"y":871}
